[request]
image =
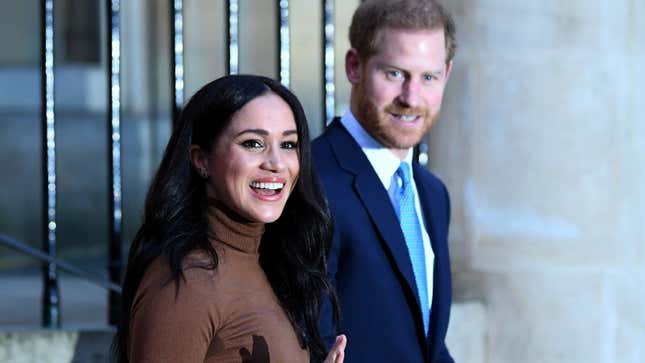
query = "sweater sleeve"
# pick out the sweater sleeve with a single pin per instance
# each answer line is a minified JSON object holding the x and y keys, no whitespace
{"x":173,"y":326}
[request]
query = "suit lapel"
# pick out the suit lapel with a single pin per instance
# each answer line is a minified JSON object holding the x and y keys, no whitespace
{"x":374,"y":198}
{"x":430,"y":216}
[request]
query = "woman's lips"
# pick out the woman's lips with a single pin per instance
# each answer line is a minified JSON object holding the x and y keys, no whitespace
{"x":268,"y":189}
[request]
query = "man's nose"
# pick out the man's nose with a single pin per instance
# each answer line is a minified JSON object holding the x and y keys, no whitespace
{"x":410,"y":93}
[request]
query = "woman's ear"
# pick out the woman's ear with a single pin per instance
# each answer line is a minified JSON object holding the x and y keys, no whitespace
{"x":199,"y":159}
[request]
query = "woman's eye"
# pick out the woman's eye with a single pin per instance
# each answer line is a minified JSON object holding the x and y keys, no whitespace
{"x":252,"y":144}
{"x":289,"y":145}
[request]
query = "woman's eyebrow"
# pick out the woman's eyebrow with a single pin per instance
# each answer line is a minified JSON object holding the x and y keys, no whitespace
{"x":253,"y":131}
{"x":264,"y":132}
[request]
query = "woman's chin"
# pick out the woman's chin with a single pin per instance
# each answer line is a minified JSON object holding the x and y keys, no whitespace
{"x":265,"y":216}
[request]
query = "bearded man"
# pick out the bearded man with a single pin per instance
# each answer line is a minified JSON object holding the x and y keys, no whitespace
{"x":389,"y":256}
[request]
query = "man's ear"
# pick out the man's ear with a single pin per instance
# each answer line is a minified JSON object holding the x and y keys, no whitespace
{"x":448,"y":70}
{"x":353,"y":66}
{"x":199,"y":159}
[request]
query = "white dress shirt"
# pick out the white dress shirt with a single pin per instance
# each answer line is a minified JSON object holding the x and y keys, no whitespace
{"x":385,"y":164}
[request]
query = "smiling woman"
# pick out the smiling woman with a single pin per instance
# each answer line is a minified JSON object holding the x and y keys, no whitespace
{"x":254,"y":165}
{"x":229,"y":263}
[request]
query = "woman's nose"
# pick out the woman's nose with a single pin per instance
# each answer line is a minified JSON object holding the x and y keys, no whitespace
{"x":273,"y":160}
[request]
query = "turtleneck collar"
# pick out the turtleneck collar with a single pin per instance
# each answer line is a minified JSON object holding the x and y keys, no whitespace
{"x":226,"y":227}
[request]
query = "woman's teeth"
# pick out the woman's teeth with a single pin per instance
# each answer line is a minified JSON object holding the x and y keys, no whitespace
{"x":271,"y":186}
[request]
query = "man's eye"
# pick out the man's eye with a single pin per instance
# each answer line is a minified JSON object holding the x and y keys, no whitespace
{"x":428,"y":77}
{"x":289,"y":145}
{"x":252,"y":144}
{"x":393,"y":74}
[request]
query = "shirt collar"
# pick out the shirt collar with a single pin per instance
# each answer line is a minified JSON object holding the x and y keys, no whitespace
{"x":382,"y":160}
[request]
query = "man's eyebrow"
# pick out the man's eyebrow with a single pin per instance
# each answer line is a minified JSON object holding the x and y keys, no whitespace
{"x":382,"y":65}
{"x":435,"y":72}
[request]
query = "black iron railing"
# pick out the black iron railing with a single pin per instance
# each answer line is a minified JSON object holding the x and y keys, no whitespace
{"x":58,"y":263}
{"x":177,"y":56}
{"x":51,"y":264}
{"x":115,"y":213}
{"x":51,"y":301}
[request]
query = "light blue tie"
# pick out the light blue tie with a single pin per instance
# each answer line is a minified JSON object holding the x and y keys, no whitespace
{"x":413,"y":239}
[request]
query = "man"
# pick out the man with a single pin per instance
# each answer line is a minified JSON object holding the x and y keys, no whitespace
{"x":389,"y":255}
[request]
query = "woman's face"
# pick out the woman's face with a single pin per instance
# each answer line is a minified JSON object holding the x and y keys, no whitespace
{"x":254,"y":164}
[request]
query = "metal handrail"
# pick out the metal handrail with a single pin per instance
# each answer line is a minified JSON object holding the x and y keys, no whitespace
{"x":62,"y":265}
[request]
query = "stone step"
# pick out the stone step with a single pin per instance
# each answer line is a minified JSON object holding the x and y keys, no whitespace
{"x":57,"y":346}
{"x":465,"y":340}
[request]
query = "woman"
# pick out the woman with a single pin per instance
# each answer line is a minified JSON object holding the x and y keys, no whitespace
{"x":229,"y":264}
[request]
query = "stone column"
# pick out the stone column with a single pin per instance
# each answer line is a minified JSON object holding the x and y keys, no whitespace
{"x":542,"y":146}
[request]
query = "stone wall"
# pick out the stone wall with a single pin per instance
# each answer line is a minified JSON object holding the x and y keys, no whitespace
{"x":542,"y":145}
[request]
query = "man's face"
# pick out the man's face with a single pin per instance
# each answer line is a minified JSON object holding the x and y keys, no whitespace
{"x":397,"y":92}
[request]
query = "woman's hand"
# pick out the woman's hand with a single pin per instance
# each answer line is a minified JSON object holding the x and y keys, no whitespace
{"x":337,"y":351}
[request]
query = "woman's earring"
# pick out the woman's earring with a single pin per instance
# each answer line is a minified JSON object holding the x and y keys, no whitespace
{"x":203,"y":173}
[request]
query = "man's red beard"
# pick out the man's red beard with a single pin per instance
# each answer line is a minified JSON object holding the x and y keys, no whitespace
{"x":377,"y":125}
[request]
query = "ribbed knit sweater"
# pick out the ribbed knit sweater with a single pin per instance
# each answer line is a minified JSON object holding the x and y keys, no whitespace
{"x":226,"y":314}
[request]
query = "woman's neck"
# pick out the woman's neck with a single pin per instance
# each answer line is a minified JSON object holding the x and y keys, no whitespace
{"x":229,"y":228}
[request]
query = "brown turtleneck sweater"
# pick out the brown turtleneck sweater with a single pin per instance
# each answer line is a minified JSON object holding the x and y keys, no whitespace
{"x":226,"y":314}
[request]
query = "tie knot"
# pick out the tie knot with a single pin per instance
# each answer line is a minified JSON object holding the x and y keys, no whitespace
{"x":404,"y":173}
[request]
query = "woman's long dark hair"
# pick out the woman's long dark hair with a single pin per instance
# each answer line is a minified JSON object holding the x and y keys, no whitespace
{"x":293,"y":248}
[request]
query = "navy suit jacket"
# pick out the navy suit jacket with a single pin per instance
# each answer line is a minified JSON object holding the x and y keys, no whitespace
{"x":369,"y":263}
